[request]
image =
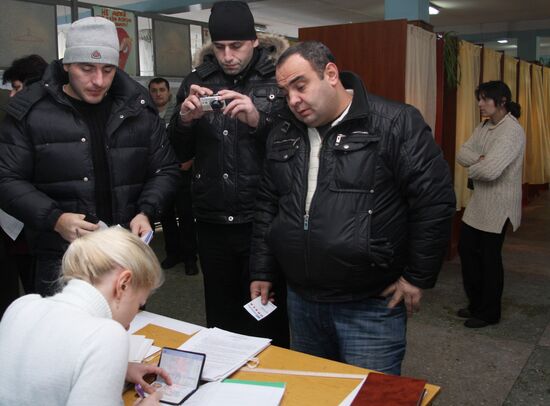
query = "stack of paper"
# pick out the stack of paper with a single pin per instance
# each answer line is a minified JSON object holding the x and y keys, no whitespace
{"x":225,"y":351}
{"x":232,"y":392}
{"x":139,"y":348}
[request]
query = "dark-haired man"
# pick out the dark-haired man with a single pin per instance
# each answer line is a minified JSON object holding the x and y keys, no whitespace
{"x":83,"y":144}
{"x":228,"y":146}
{"x":24,"y":71}
{"x":355,"y":206}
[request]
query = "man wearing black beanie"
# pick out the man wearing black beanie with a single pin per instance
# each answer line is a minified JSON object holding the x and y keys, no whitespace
{"x":226,"y":137}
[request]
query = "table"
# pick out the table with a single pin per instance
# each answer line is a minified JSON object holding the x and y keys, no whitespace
{"x":300,"y":390}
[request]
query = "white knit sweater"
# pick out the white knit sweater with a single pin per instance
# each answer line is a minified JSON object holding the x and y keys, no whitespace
{"x":498,"y":177}
{"x":62,"y":350}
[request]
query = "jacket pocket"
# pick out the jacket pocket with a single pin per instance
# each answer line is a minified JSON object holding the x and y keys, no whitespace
{"x":268,"y":98}
{"x":281,"y":161}
{"x":355,"y":157}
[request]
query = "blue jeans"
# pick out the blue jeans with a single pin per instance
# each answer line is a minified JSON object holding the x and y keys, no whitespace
{"x":365,"y":333}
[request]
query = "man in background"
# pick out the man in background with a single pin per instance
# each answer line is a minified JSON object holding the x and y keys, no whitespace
{"x":178,"y":225}
{"x":228,"y":146}
{"x":15,"y":258}
{"x":84,"y":144}
{"x":24,"y":71}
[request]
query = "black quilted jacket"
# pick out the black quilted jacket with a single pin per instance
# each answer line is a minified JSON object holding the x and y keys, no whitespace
{"x":228,"y":154}
{"x":46,"y":160}
{"x":382,"y":208}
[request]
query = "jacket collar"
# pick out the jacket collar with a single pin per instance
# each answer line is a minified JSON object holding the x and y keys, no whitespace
{"x":127,"y":94}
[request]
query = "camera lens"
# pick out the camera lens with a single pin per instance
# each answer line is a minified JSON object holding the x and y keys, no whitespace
{"x":216,"y":104}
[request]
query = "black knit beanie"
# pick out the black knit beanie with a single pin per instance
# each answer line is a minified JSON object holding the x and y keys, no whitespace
{"x":231,"y":21}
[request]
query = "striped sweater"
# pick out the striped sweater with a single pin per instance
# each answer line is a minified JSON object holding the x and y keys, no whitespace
{"x":497,"y":177}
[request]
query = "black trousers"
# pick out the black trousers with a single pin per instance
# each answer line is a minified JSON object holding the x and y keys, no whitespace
{"x":482,"y":271}
{"x":224,"y":252}
{"x":15,"y":266}
{"x":47,"y":269}
{"x":180,"y":236}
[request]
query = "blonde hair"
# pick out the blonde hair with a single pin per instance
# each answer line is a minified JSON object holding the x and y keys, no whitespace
{"x":96,"y":254}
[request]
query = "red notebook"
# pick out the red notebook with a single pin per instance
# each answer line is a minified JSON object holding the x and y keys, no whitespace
{"x":390,"y":390}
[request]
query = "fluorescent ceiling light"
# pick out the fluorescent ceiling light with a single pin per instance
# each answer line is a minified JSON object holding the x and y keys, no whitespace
{"x":502,"y":41}
{"x":433,"y":11}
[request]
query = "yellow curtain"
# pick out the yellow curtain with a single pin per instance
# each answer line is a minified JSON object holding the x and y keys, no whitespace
{"x":524,"y":100}
{"x":491,"y":64}
{"x":510,"y":75}
{"x":536,"y":143}
{"x":420,"y":86}
{"x":546,"y":117}
{"x":467,"y":112}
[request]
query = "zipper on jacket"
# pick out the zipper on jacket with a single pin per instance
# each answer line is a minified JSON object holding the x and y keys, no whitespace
{"x":306,"y":221}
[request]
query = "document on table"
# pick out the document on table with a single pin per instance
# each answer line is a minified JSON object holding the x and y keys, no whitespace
{"x":238,"y":393}
{"x":225,"y":351}
{"x":144,"y":318}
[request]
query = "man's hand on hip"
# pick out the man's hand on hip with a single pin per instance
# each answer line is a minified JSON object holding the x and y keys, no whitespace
{"x":263,"y":289}
{"x":72,"y":225}
{"x":241,"y":106}
{"x":140,"y":224}
{"x":403,"y":290}
{"x":191,"y":108}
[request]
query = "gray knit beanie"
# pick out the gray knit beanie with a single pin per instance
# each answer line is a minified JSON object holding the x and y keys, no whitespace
{"x":92,"y":40}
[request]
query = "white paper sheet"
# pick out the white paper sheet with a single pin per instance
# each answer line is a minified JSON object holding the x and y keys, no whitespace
{"x":235,"y":394}
{"x":144,"y":318}
{"x":259,"y":310}
{"x":139,"y":347}
{"x":11,"y":226}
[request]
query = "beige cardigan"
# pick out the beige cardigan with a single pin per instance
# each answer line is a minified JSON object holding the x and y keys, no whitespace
{"x":498,"y":177}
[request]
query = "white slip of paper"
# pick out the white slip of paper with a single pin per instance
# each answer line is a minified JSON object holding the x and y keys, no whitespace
{"x":259,"y":310}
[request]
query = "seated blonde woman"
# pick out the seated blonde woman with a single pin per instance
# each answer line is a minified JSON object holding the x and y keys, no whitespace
{"x":72,"y":348}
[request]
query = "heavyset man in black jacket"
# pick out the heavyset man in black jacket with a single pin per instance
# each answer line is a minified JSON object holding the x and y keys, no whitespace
{"x":228,"y":149}
{"x":355,"y":206}
{"x":84,"y":141}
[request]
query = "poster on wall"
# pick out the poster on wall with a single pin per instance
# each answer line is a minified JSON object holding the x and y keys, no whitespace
{"x":28,"y":28}
{"x":172,"y":48}
{"x":125,"y":22}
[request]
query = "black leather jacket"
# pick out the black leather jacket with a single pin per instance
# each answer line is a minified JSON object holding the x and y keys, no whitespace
{"x":228,"y":154}
{"x":46,"y":165}
{"x":382,"y":207}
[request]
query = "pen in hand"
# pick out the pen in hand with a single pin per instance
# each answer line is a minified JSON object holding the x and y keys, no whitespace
{"x":139,"y":390}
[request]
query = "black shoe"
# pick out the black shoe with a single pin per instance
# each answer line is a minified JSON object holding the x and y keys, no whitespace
{"x":464,"y":313}
{"x":170,"y":261}
{"x":191,"y":268}
{"x":476,"y":323}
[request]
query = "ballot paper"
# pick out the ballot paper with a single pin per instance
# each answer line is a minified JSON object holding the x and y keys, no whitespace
{"x":139,"y":348}
{"x":259,"y":310}
{"x":225,"y":351}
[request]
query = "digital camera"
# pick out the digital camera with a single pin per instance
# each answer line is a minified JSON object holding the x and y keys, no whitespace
{"x":212,"y":103}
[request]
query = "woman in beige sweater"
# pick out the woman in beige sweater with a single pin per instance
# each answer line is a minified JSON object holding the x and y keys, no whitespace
{"x":494,"y":158}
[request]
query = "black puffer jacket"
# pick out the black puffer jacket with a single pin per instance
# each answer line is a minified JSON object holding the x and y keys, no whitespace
{"x":382,"y":207}
{"x":228,"y":154}
{"x":46,"y":160}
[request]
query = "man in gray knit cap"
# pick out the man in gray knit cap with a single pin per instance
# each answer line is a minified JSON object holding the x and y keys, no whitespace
{"x":85,"y":144}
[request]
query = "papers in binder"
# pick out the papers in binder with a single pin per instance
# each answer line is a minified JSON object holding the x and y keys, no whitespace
{"x":225,"y":351}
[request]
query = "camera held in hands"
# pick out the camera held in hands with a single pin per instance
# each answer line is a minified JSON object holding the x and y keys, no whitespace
{"x":212,"y":103}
